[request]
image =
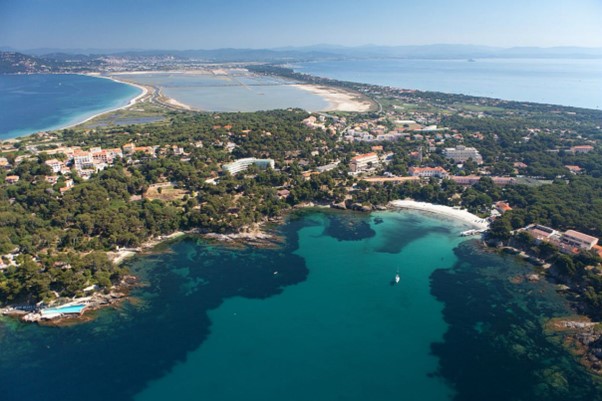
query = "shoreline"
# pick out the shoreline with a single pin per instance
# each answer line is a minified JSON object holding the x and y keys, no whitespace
{"x":256,"y":235}
{"x":155,"y":93}
{"x":337,"y":99}
{"x":457,"y":214}
{"x":131,"y":102}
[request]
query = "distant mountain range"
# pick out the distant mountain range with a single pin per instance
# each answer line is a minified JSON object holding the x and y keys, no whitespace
{"x":436,"y":51}
{"x":62,"y":60}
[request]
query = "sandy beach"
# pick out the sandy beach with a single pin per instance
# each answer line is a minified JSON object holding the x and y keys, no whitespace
{"x":456,"y":214}
{"x":339,"y":100}
{"x":132,"y":102}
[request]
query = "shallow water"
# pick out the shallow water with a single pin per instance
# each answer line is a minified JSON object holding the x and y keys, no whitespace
{"x":235,"y":92}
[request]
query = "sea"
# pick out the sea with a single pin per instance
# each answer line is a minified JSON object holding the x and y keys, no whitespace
{"x":32,"y":103}
{"x":41,"y":102}
{"x":232,"y":92}
{"x":318,"y":317}
{"x":567,"y":82}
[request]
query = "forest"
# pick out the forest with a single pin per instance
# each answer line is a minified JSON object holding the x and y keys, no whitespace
{"x":62,"y":239}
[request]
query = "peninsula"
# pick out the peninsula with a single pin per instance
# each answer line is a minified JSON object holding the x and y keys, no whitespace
{"x":75,"y":201}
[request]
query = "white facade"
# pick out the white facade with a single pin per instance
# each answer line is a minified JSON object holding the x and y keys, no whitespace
{"x":363,"y":162}
{"x":83,"y":160}
{"x":579,"y":240}
{"x":242,"y":164}
{"x":461,"y":153}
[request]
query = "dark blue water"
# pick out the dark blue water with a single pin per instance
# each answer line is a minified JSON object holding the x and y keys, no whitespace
{"x":555,"y":81}
{"x":32,"y":103}
{"x":316,"y":319}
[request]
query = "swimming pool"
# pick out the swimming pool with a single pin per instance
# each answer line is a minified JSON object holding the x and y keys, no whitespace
{"x":64,"y":309}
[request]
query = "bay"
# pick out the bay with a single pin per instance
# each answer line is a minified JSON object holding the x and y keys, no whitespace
{"x":40,"y":102}
{"x":564,"y":82}
{"x":317,"y":318}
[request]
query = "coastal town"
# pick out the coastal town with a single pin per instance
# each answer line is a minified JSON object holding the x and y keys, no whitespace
{"x":404,"y":144}
{"x":225,"y":176}
{"x":251,"y":200}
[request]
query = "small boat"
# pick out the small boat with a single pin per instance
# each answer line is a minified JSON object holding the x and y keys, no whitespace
{"x":397,"y":278}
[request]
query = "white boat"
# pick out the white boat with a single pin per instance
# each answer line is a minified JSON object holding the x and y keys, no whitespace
{"x":397,"y":278}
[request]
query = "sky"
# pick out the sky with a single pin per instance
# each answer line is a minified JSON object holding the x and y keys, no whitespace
{"x":210,"y":24}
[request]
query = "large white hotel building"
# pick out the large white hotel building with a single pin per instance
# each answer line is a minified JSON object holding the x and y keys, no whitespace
{"x":242,"y":164}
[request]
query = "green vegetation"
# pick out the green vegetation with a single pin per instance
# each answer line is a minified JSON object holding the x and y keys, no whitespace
{"x":61,"y":239}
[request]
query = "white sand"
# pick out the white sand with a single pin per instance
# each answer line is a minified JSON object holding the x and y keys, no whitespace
{"x":339,"y":100}
{"x":176,"y":103}
{"x":457,"y":214}
{"x":130,"y":103}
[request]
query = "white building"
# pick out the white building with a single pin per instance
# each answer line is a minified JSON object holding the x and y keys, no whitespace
{"x":242,"y":164}
{"x":461,"y":153}
{"x":427,"y":172}
{"x":55,"y":165}
{"x":82,"y":160}
{"x":578,"y":240}
{"x":364,"y":162}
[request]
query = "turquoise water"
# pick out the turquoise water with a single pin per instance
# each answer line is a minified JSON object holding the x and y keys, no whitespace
{"x":39,"y":102}
{"x":556,"y":81}
{"x":344,"y":333}
{"x":217,"y":323}
{"x":235,"y":92}
{"x":64,"y":309}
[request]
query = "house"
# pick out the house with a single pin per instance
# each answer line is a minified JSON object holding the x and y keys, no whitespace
{"x":578,"y":240}
{"x":283,"y":193}
{"x":427,"y":172}
{"x":114,"y":153}
{"x":502,"y":207}
{"x":82,"y":160}
{"x":364,"y":162}
{"x":573,"y":169}
{"x":461,"y":153}
{"x":149,"y":150}
{"x":12,"y":179}
{"x":129,"y":148}
{"x":52,"y":179}
{"x":100,"y":156}
{"x":55,"y":165}
{"x":541,"y":233}
{"x":4,"y":163}
{"x":177,"y":150}
{"x":581,"y":149}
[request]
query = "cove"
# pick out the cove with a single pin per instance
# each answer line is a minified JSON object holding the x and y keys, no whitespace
{"x":316,"y":318}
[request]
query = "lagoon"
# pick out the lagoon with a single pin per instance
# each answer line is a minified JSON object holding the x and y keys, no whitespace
{"x":230,"y":91}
